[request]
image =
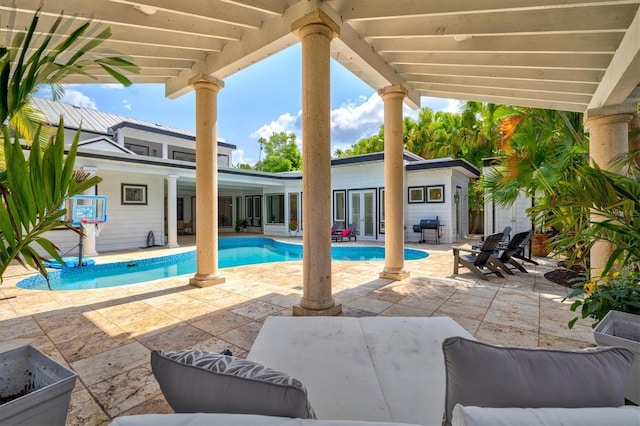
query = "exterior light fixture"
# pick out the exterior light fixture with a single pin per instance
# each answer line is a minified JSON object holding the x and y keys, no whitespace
{"x":147,"y":10}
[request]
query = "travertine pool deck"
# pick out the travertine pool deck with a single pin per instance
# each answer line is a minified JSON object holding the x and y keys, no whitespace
{"x":106,"y":335}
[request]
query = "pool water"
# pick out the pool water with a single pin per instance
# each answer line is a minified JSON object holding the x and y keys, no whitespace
{"x":231,"y":252}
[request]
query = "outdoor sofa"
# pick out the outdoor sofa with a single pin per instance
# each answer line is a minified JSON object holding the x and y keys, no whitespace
{"x":377,"y":370}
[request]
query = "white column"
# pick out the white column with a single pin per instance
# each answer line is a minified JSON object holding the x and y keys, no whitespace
{"x":207,"y":89}
{"x":608,"y":137}
{"x":315,"y":32}
{"x":393,"y":184}
{"x":89,"y":239}
{"x":165,"y":151}
{"x":172,"y":211}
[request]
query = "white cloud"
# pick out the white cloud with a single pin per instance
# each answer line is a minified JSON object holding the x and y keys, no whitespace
{"x":112,"y":86}
{"x":76,"y":97}
{"x":126,"y":104}
{"x":354,"y":120}
{"x":237,"y":156}
{"x":284,"y":123}
{"x":453,"y":105}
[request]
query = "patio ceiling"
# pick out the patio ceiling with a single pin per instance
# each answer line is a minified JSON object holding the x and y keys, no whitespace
{"x":569,"y":55}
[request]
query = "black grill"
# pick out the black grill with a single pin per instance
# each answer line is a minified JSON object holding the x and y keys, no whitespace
{"x":426,"y":224}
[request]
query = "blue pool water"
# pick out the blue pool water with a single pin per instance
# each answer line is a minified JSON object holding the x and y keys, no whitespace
{"x":232,"y":252}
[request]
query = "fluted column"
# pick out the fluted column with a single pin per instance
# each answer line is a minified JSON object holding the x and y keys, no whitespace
{"x":89,"y":239}
{"x":207,"y":89}
{"x":608,"y":137}
{"x":392,"y":97}
{"x":172,"y":211}
{"x":315,"y":32}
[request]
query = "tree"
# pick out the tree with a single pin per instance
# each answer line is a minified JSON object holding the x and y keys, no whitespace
{"x":34,"y":191}
{"x":374,"y":143}
{"x":281,"y":153}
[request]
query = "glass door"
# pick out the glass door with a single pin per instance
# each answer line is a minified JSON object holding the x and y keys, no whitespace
{"x":362,"y":208}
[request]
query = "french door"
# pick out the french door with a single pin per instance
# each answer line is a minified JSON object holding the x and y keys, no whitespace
{"x":362,"y":212}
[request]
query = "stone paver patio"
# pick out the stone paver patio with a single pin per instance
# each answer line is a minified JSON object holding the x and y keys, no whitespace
{"x":106,"y":335}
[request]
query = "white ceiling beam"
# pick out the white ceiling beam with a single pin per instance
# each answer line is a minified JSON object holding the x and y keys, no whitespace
{"x":211,"y":10}
{"x":380,"y":9}
{"x":623,"y":74}
{"x":505,"y":83}
{"x":120,"y":14}
{"x":264,"y":6}
{"x":585,"y":19}
{"x":508,"y":60}
{"x":535,"y":74}
{"x":505,"y":93}
{"x":274,"y":36}
{"x":565,"y":43}
{"x":505,"y":100}
{"x":361,"y":56}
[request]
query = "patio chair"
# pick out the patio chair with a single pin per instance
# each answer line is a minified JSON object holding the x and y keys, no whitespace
{"x":505,"y":260}
{"x":506,"y":232}
{"x":478,"y":259}
{"x":348,"y":233}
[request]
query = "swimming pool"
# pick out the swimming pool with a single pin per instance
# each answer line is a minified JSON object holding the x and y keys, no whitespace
{"x":231,"y":252}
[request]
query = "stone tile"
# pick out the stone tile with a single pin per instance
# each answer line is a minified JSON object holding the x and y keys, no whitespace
{"x":282,"y":300}
{"x":429,"y":304}
{"x":243,"y":336}
{"x":19,"y":327}
{"x":84,"y":410}
{"x":178,"y":337}
{"x":506,"y":335}
{"x":217,"y":345}
{"x":386,"y":295}
{"x":155,"y":405}
{"x":220,"y":322}
{"x":256,"y":310}
{"x":399,"y":310}
{"x":348,"y":311}
{"x":231,"y":302}
{"x":142,"y":323}
{"x":515,"y":296}
{"x":549,"y":341}
{"x":127,"y":390}
{"x":370,"y":305}
{"x":469,"y":324}
{"x":108,"y":364}
{"x":513,"y":319}
{"x":450,"y":308}
{"x":579,"y":332}
{"x":89,"y":345}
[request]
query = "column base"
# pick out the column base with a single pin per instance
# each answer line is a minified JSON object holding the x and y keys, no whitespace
{"x":173,"y":245}
{"x":299,"y":311}
{"x":395,"y":276}
{"x":206,"y":281}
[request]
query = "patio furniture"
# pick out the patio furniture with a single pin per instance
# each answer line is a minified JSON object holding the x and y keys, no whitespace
{"x":428,"y":224}
{"x":505,"y":259}
{"x":478,"y":261}
{"x":409,"y":370}
{"x":506,"y":233}
{"x":348,"y":233}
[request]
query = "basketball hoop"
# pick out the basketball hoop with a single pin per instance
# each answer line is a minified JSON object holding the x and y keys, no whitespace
{"x":98,"y":225}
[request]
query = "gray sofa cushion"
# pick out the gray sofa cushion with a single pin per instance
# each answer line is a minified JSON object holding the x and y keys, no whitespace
{"x":494,"y":376}
{"x":195,"y":381}
{"x":480,"y":416}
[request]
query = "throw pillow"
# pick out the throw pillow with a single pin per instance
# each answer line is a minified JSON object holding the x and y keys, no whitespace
{"x":195,"y":381}
{"x":345,"y":233}
{"x":483,"y":375}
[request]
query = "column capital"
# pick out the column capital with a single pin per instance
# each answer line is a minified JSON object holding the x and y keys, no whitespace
{"x":394,"y":89}
{"x":172,"y":177}
{"x":204,"y":81}
{"x":614,"y":113}
{"x":315,"y":22}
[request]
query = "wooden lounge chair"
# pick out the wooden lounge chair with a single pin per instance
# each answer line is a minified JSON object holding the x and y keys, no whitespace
{"x":478,"y":259}
{"x":505,"y":260}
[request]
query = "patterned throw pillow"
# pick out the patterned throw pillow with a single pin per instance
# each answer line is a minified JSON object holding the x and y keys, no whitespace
{"x":195,"y":381}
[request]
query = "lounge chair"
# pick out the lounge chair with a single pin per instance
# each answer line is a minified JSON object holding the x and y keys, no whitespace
{"x":505,"y":260}
{"x":334,"y":228}
{"x":506,"y":233}
{"x":348,"y":233}
{"x":478,"y":259}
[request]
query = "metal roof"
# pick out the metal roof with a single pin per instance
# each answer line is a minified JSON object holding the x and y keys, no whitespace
{"x":568,"y":55}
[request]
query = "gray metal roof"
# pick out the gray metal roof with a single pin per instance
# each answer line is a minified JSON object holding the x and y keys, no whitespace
{"x":95,"y":121}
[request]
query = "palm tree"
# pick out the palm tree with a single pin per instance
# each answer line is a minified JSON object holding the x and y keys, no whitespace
{"x":34,"y":190}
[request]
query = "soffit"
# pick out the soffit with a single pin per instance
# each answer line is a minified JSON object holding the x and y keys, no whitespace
{"x":568,"y":55}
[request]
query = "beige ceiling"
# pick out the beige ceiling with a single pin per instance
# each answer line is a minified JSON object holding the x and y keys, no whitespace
{"x":569,"y":55}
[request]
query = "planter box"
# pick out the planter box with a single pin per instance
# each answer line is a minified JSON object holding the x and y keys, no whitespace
{"x":623,"y":329}
{"x":48,"y":384}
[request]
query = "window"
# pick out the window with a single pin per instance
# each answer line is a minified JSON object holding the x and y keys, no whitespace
{"x":224,"y":211}
{"x":223,"y":160}
{"x":435,"y":194}
{"x":138,"y":149}
{"x":275,"y":208}
{"x":293,"y":211}
{"x":381,"y":210}
{"x":339,"y":209}
{"x":416,"y":194}
{"x":184,"y":156}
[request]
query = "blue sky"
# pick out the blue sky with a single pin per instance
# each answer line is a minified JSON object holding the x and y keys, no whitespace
{"x":255,"y":102}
